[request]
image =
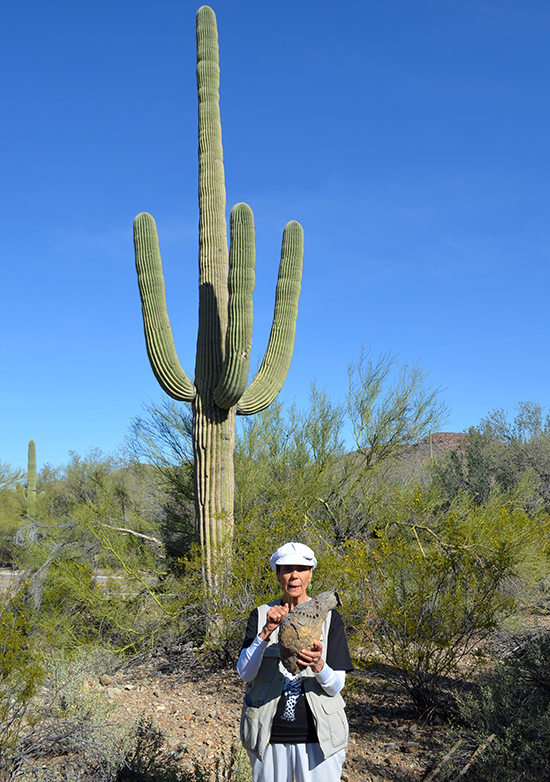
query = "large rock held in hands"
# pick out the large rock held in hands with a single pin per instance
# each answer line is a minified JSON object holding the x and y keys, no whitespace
{"x":302,"y":627}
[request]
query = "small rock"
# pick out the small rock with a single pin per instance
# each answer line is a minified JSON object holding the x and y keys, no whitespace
{"x":128,"y":686}
{"x":105,"y":680}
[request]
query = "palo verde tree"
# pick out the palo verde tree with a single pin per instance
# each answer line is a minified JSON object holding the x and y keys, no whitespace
{"x":219,"y":390}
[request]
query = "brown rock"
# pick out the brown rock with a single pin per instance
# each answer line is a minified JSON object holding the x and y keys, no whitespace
{"x":106,"y":680}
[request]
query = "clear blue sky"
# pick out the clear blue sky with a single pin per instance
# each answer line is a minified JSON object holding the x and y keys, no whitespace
{"x":409,"y":137}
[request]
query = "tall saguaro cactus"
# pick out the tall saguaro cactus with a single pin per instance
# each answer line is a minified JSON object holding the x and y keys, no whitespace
{"x":226,"y":284}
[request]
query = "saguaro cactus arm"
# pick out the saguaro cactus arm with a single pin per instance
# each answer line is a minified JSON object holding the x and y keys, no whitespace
{"x":158,"y":333}
{"x":273,"y":371}
{"x":238,"y":339}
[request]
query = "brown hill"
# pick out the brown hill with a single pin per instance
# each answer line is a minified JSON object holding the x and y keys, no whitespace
{"x":441,"y":443}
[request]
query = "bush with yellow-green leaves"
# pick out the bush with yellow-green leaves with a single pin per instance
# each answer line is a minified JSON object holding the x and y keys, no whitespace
{"x":442,"y":580}
{"x":20,"y":676}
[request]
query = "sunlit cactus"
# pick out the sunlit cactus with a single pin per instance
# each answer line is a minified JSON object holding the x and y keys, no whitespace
{"x":226,"y":284}
{"x":28,"y":498}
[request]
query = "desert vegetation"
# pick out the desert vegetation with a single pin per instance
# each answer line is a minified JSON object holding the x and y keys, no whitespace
{"x":166,"y":545}
{"x":431,"y":555}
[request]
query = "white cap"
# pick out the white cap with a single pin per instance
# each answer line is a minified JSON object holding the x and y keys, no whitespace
{"x":293,"y":554}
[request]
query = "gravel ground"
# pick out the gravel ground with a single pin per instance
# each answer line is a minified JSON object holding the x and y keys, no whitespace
{"x":198,"y":710}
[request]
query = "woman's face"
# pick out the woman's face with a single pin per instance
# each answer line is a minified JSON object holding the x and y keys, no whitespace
{"x":294,"y":580}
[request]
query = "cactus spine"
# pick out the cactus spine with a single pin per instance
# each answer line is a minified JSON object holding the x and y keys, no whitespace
{"x":225,"y":312}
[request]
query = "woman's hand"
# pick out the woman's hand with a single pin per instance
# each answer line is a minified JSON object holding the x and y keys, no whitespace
{"x":275,"y":616}
{"x":312,"y":658}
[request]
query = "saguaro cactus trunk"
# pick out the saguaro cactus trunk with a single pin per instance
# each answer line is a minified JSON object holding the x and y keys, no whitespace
{"x":225,"y":313}
{"x":31,"y":480}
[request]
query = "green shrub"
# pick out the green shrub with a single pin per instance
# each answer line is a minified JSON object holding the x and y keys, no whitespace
{"x":20,"y":676}
{"x":440,"y":582}
{"x":513,"y":705}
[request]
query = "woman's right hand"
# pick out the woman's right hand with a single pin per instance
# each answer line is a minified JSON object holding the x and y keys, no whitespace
{"x":275,"y":616}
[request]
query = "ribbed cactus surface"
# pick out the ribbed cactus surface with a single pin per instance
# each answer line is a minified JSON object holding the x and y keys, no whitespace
{"x":226,"y":285}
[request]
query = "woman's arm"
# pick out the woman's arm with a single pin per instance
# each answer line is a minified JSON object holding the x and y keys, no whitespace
{"x":251,"y":656}
{"x":331,"y":681}
{"x":250,"y":659}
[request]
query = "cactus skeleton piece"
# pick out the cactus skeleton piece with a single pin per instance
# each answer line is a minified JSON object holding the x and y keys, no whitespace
{"x":302,"y":627}
{"x":225,"y":312}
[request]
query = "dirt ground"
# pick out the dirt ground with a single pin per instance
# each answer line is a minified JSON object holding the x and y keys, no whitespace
{"x":199,"y":709}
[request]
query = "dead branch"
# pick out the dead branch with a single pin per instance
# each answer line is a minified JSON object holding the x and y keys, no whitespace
{"x":442,"y":762}
{"x":127,"y":531}
{"x":478,"y":751}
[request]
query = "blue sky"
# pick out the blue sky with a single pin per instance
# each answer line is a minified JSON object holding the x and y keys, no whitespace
{"x":409,"y":137}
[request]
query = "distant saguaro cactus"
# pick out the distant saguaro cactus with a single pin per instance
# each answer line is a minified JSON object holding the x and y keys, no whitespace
{"x":225,"y":312}
{"x":28,"y":498}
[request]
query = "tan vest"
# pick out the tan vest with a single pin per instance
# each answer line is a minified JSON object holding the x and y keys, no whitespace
{"x":263,"y":693}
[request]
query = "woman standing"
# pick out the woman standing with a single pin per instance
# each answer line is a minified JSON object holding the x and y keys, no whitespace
{"x":293,"y":727}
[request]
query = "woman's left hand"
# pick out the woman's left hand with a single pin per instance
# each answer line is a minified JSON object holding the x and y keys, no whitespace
{"x":312,"y":658}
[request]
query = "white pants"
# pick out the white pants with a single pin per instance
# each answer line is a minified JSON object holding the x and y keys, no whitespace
{"x":296,"y":763}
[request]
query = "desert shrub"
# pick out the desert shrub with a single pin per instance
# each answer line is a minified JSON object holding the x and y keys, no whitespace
{"x":11,"y":513}
{"x":149,"y":761}
{"x":65,"y":728}
{"x":440,"y":582}
{"x":512,"y":708}
{"x":67,"y":723}
{"x":159,"y":443}
{"x":61,"y":557}
{"x":71,"y":609}
{"x":20,"y":676}
{"x":501,"y":452}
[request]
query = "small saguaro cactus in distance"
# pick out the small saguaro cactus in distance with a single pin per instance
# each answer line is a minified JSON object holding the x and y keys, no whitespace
{"x":29,"y":498}
{"x":226,"y":284}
